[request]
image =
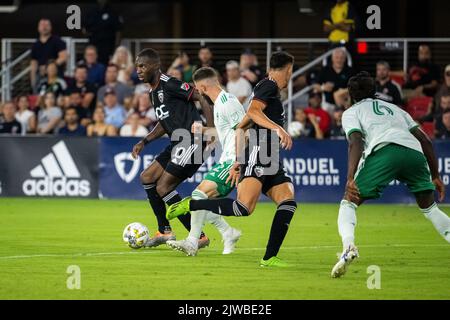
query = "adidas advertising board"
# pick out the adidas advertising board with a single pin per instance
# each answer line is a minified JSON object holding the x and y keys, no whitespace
{"x":49,"y":167}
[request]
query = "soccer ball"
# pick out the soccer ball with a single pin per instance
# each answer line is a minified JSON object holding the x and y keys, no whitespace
{"x":136,"y":235}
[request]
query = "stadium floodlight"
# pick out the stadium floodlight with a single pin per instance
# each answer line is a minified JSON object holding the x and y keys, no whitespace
{"x":10,"y":8}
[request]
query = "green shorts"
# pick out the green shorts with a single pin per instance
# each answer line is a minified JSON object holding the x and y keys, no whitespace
{"x":393,"y":162}
{"x":219,"y":174}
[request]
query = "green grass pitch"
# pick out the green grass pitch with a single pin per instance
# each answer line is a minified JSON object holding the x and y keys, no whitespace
{"x":40,"y":238}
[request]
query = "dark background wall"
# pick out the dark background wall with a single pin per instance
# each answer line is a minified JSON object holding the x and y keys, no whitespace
{"x":231,"y":18}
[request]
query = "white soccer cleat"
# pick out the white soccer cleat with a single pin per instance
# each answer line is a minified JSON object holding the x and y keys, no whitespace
{"x":184,"y":246}
{"x":230,"y":238}
{"x":347,"y":257}
{"x":159,"y":239}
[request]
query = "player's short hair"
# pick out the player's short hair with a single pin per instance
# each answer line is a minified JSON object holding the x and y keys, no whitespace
{"x":280,"y":59}
{"x":204,"y":73}
{"x":384,"y":64}
{"x":150,"y":54}
{"x":361,"y":86}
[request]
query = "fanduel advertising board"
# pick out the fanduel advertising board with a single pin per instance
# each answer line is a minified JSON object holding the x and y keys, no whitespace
{"x":48,"y":167}
{"x":318,"y":170}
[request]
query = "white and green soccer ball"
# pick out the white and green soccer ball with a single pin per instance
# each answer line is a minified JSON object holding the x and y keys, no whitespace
{"x":136,"y":235}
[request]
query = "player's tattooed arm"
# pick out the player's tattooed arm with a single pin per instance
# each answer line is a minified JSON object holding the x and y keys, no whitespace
{"x":355,"y":151}
{"x":256,"y":114}
{"x":157,"y":132}
{"x":206,"y":108}
{"x":427,"y":147}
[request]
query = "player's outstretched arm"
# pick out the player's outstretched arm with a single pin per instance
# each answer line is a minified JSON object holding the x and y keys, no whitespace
{"x":206,"y":108}
{"x":427,"y":147}
{"x":355,"y":151}
{"x":256,"y":114}
{"x":157,"y":132}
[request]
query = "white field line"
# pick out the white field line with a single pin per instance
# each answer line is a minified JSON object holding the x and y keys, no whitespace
{"x":96,"y":254}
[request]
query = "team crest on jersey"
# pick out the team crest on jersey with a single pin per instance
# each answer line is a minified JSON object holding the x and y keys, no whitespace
{"x":259,"y":171}
{"x":185,"y":86}
{"x":161,"y":96}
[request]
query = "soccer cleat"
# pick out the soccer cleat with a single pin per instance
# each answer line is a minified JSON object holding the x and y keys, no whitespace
{"x":159,"y":239}
{"x":347,"y":257}
{"x":273,"y":262}
{"x":183,"y":245}
{"x":178,"y":209}
{"x":203,"y":242}
{"x":230,"y":238}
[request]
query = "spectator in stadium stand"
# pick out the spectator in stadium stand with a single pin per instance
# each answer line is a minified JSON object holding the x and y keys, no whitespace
{"x":46,"y":47}
{"x":123,"y":59}
{"x":49,"y":115}
{"x":341,"y":99}
{"x":423,"y":76}
{"x":176,"y":73}
{"x":8,"y":122}
{"x":96,"y":70}
{"x":387,"y":89}
{"x":102,"y":26}
{"x":443,"y":107}
{"x":339,"y":23}
{"x":75,"y":101}
{"x":52,"y":83}
{"x":82,"y":86}
{"x":304,"y":126}
{"x":72,"y":126}
{"x":124,"y":92}
{"x":25,"y":116}
{"x":237,"y":85}
{"x":444,"y":89}
{"x":182,"y":62}
{"x":205,"y":57}
{"x":315,"y":108}
{"x":336,"y":131}
{"x":146,"y":112}
{"x":99,"y":128}
{"x":444,"y":131}
{"x":249,"y":68}
{"x":133,"y":128}
{"x":335,"y":76}
{"x":115,"y":113}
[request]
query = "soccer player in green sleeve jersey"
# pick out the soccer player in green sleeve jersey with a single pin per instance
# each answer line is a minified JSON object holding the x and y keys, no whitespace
{"x":385,"y":144}
{"x":228,"y":113}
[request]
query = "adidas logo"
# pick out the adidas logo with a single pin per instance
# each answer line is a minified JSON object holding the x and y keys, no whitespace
{"x":56,"y":175}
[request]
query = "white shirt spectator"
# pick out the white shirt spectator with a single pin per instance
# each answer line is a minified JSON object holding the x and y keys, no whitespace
{"x":127,"y":131}
{"x":240,"y":88}
{"x":24,"y":119}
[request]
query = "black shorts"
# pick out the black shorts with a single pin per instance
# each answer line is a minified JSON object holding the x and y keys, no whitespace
{"x":182,"y":162}
{"x":268,"y":181}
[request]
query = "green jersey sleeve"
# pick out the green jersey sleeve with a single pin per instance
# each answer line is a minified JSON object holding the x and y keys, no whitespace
{"x":350,"y":122}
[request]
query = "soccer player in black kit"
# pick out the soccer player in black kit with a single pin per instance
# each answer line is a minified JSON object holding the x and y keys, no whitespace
{"x":173,"y":101}
{"x":266,"y":115}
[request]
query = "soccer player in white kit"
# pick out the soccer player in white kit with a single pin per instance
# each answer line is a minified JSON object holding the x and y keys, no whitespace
{"x":385,"y":144}
{"x":228,"y":113}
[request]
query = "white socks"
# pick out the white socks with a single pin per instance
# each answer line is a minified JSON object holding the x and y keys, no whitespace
{"x":199,"y":217}
{"x":439,"y":219}
{"x":347,"y":223}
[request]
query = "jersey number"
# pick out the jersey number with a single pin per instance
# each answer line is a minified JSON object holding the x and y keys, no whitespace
{"x":377,"y":109}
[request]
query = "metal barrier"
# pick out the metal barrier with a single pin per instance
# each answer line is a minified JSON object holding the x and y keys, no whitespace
{"x":397,"y":51}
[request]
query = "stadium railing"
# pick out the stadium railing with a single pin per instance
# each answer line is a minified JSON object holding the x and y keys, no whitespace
{"x":399,"y":52}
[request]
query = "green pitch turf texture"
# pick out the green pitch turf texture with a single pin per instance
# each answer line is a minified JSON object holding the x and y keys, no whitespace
{"x":41,"y":238}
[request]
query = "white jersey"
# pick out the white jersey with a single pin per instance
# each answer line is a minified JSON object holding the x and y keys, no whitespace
{"x":228,"y":113}
{"x":380,"y":123}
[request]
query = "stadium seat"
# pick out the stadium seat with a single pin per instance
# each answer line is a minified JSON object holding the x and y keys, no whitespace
{"x":428,"y":128}
{"x":399,"y":79}
{"x":418,"y":107}
{"x":33,"y":101}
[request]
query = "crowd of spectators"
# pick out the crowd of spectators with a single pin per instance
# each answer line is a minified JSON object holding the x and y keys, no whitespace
{"x":105,"y":97}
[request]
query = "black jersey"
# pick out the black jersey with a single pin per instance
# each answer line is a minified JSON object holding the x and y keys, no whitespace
{"x":173,"y":105}
{"x":267,"y":92}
